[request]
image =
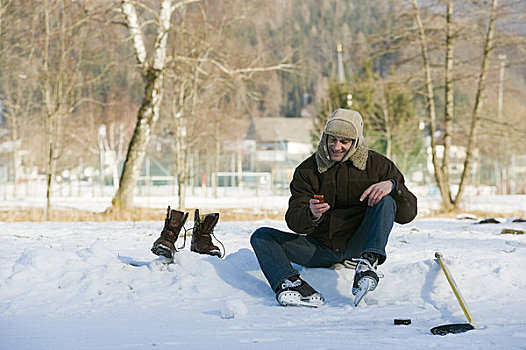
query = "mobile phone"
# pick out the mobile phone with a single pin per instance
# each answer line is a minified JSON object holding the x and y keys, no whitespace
{"x":319,"y":197}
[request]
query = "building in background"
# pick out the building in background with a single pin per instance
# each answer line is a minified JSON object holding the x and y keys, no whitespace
{"x":277,"y":146}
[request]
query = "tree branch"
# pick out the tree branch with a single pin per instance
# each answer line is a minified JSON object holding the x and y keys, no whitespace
{"x":287,"y":67}
{"x":133,"y":25}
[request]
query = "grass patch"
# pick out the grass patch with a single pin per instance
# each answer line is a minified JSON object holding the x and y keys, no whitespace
{"x":136,"y":214}
{"x":510,"y":231}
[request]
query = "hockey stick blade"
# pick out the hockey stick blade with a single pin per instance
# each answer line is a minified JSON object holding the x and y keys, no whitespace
{"x":452,"y":328}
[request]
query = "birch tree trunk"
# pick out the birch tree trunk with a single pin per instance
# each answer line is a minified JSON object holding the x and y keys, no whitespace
{"x":387,"y":123}
{"x":449,"y":91}
{"x":148,"y":114}
{"x":180,"y":149}
{"x":477,"y":108}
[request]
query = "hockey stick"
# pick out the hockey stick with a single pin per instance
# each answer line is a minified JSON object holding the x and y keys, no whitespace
{"x":459,"y":327}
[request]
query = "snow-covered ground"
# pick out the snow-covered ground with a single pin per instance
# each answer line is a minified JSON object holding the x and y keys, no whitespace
{"x":97,"y":286}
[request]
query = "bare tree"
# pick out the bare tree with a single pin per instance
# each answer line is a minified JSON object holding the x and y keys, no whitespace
{"x":153,"y":72}
{"x":430,"y":97}
{"x":61,"y":42}
{"x":441,"y":169}
{"x":19,"y":103}
{"x":18,"y":90}
{"x":209,"y":73}
{"x":449,"y":102}
{"x":224,"y":80}
{"x":477,"y":108}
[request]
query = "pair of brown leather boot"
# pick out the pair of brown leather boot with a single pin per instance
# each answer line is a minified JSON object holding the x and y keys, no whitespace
{"x":201,"y":234}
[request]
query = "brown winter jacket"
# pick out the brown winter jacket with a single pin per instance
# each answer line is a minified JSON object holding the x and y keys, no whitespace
{"x":342,"y":184}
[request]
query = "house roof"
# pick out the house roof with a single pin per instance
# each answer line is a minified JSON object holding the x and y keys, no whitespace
{"x":265,"y":130}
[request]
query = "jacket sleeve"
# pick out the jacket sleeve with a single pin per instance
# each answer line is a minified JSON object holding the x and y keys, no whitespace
{"x":406,"y":202}
{"x":298,"y":216}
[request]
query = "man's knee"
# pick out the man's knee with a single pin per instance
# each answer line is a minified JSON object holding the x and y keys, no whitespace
{"x":387,"y":203}
{"x":262,"y":233}
{"x":385,"y":208}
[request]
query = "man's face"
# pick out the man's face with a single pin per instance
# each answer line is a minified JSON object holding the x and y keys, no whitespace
{"x":338,"y":147}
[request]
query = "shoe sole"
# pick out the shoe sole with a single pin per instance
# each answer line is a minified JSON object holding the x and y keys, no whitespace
{"x":292,"y":298}
{"x":162,"y":250}
{"x":212,"y":252}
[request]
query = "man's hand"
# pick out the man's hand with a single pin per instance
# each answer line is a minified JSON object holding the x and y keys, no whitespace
{"x":317,"y":208}
{"x":376,"y":192}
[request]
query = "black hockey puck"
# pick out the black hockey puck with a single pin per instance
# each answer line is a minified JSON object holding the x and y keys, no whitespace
{"x":403,"y":321}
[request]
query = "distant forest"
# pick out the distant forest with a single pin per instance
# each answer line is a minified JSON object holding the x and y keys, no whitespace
{"x":74,"y":79}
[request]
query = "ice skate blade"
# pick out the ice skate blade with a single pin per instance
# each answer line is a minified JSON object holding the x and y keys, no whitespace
{"x":365,"y":285}
{"x":366,"y":282}
{"x":292,"y":298}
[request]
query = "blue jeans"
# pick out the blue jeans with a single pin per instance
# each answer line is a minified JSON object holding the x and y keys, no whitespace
{"x":276,"y":250}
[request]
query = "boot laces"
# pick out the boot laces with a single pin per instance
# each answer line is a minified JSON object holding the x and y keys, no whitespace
{"x":184,"y":240}
{"x":350,"y":264}
{"x":365,"y":265}
{"x":171,"y":232}
{"x":206,"y":237}
{"x":289,"y":284}
{"x":220,"y":243}
{"x":299,"y":286}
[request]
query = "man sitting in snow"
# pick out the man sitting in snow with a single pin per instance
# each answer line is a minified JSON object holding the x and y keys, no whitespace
{"x":364,"y":194}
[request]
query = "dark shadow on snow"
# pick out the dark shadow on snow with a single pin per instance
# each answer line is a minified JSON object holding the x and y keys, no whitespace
{"x":138,"y":263}
{"x":238,"y":269}
{"x":427,"y":287}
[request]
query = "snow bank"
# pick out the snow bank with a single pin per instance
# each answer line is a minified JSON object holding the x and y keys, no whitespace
{"x":97,"y":286}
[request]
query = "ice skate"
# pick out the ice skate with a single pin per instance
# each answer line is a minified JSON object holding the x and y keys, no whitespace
{"x":296,"y":292}
{"x":365,"y":277}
